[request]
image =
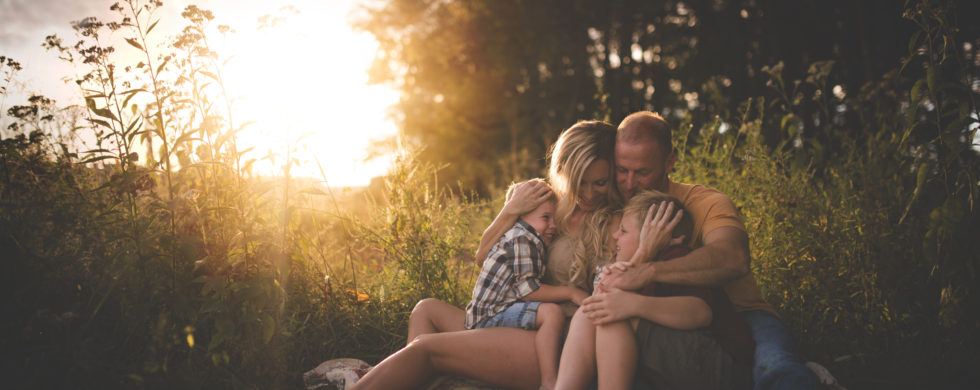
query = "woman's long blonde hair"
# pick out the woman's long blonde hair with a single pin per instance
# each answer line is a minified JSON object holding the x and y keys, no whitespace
{"x":577,"y":148}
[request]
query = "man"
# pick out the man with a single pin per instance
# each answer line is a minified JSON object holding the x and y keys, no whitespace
{"x":644,"y":157}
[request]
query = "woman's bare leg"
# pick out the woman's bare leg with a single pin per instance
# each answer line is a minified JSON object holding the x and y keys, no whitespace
{"x":577,"y":367}
{"x":616,"y":355}
{"x":431,"y":315}
{"x":503,"y":357}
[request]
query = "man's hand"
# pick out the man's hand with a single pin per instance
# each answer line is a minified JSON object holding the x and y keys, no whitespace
{"x":656,"y":231}
{"x":626,"y":276}
{"x":527,"y":196}
{"x":608,"y":305}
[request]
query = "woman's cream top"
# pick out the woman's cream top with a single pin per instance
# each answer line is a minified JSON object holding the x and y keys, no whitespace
{"x":560,"y":255}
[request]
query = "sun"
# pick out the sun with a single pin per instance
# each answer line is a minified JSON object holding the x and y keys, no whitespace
{"x":302,"y":78}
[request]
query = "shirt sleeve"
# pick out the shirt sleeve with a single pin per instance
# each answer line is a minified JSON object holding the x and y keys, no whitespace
{"x":720,"y":212}
{"x":525,"y":265}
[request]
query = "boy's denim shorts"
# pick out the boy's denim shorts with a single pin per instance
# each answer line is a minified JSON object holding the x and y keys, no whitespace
{"x":521,"y":315}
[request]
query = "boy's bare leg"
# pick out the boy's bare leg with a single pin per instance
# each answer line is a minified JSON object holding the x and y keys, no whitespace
{"x":616,"y":355}
{"x":431,"y":315}
{"x":577,"y":367}
{"x":503,"y":357}
{"x":550,"y":322}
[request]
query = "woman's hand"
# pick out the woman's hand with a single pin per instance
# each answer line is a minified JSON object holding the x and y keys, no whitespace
{"x":578,"y":296}
{"x":655,"y":233}
{"x":609,"y":305}
{"x":527,"y":196}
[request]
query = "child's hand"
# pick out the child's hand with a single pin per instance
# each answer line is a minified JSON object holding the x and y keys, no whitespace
{"x":610,"y":305}
{"x":655,"y":234}
{"x":527,"y":196}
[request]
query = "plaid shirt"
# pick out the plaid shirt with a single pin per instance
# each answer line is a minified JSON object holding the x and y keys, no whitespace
{"x":512,"y":270}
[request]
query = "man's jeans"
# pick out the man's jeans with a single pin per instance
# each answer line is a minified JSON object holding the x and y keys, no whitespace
{"x":776,"y":364}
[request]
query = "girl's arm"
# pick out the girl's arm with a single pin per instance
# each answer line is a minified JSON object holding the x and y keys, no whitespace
{"x":681,"y":312}
{"x":527,"y":197}
{"x":548,"y":293}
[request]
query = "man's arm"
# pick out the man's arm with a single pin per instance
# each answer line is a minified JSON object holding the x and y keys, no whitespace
{"x":677,"y":312}
{"x":723,"y":257}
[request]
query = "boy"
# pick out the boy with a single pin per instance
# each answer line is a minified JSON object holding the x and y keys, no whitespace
{"x":509,"y":292}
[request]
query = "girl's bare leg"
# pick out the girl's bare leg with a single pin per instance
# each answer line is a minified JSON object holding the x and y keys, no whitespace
{"x":616,"y":355}
{"x":431,"y":315}
{"x":503,"y":357}
{"x":577,"y":367}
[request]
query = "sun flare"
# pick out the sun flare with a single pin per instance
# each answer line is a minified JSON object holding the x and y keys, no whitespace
{"x":301,"y":75}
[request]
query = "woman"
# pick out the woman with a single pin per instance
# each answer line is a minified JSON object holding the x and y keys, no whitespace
{"x":581,"y":173}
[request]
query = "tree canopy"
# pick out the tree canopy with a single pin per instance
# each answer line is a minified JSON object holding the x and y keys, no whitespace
{"x":487,"y":85}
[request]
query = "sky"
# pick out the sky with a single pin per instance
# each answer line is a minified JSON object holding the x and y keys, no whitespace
{"x":303,"y":81}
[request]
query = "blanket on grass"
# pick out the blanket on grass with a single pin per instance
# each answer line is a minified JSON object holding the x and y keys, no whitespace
{"x":337,"y":374}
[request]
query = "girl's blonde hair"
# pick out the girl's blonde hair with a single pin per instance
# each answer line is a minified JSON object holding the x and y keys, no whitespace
{"x":639,"y":206}
{"x":592,"y":248}
{"x":577,"y":148}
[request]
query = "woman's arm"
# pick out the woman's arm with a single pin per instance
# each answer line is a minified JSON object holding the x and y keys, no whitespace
{"x":681,"y":312}
{"x":548,"y":293}
{"x":527,"y":197}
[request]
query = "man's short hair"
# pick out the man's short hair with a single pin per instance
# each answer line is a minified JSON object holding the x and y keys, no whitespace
{"x":645,"y":125}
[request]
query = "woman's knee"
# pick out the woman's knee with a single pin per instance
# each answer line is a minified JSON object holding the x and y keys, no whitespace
{"x":424,"y":310}
{"x":425,"y":305}
{"x":420,"y":343}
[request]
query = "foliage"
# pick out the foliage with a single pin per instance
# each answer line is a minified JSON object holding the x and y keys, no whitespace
{"x":861,"y":217}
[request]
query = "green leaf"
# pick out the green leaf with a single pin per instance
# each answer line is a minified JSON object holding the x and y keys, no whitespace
{"x":312,"y":191}
{"x":268,"y":328}
{"x":100,"y":122}
{"x":98,"y":158}
{"x":152,"y":25}
{"x":914,"y":92}
{"x":914,"y":42}
{"x":132,"y":42}
{"x":210,"y":75}
{"x":921,"y":178}
{"x":188,"y":136}
{"x":164,"y":63}
{"x":129,"y":130}
{"x":932,"y":79}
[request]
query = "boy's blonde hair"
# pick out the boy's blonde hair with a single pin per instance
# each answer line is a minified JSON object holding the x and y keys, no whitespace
{"x":640,"y":204}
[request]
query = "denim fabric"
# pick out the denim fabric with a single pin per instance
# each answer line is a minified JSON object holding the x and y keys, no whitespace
{"x":521,"y":315}
{"x":776,"y":364}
